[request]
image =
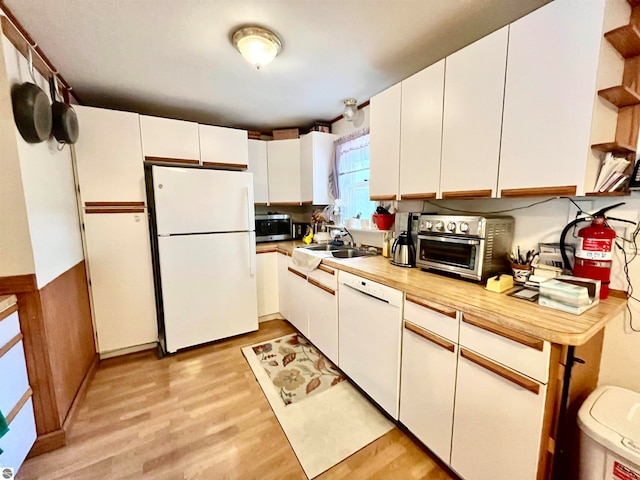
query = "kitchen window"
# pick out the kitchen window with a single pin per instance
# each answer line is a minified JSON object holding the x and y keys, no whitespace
{"x":352,"y":166}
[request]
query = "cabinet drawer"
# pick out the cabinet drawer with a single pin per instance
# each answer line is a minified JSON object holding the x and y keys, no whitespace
{"x":9,"y":328}
{"x":522,"y":353}
{"x":324,"y":275}
{"x":19,"y":439}
{"x":14,"y":385}
{"x":432,"y":316}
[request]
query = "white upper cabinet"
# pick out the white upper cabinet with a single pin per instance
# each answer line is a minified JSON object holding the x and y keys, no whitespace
{"x":108,"y":156}
{"x":385,"y":143}
{"x":223,"y":147}
{"x":473,"y":98}
{"x":258,"y":166}
{"x":283,"y":159}
{"x":549,"y":98}
{"x":169,"y":139}
{"x":421,"y":133}
{"x":316,"y":160}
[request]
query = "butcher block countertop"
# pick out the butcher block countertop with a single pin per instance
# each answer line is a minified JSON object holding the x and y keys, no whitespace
{"x":7,"y":301}
{"x":472,"y":298}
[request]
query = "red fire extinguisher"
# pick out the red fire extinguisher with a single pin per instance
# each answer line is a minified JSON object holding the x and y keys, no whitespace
{"x":594,"y":252}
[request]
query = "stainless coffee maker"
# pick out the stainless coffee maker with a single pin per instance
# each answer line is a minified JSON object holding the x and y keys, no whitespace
{"x":403,"y":251}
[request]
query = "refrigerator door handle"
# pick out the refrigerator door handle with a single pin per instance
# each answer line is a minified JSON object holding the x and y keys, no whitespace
{"x":252,"y":254}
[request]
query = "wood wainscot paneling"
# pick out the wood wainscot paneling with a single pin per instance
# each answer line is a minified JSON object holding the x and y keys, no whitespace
{"x":59,"y":348}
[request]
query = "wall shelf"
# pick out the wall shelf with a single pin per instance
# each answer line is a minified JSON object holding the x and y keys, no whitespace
{"x":620,"y":96}
{"x":623,"y":193}
{"x":626,"y":40}
{"x":614,"y":147}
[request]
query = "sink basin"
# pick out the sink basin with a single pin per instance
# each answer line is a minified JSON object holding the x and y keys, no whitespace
{"x":327,"y":248}
{"x":351,"y":253}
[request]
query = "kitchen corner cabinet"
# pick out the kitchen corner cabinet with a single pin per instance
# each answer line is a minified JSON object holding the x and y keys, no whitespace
{"x":472,"y":124}
{"x":258,"y":166}
{"x":421,"y":133}
{"x":267,"y":282}
{"x":108,"y":156}
{"x":384,"y":145}
{"x":317,"y":152}
{"x":284,"y":294}
{"x":550,"y":90}
{"x":283,"y":160}
{"x":223,"y":147}
{"x":165,"y":139}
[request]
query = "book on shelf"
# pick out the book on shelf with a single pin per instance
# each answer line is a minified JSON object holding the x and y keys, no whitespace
{"x":613,"y":182}
{"x":611,"y":169}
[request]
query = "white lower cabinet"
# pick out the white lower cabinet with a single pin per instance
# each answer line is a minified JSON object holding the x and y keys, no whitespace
{"x":322,"y":303}
{"x":267,"y":283}
{"x":284,"y":295}
{"x":297,"y":283}
{"x":497,"y":423}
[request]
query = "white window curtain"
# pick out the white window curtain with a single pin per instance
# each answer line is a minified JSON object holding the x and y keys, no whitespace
{"x":349,"y":180}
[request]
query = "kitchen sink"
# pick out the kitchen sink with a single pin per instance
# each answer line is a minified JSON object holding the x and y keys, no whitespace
{"x":351,"y":253}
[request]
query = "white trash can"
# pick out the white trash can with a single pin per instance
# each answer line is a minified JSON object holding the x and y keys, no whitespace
{"x":609,"y":421}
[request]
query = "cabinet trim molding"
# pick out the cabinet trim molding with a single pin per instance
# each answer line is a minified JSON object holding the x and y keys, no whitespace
{"x":8,"y":311}
{"x":462,"y":194}
{"x":115,"y":210}
{"x":331,"y":271}
{"x":503,"y":332}
{"x":185,"y":161}
{"x":427,"y":335}
{"x":501,"y":371}
{"x":418,"y":196}
{"x":568,"y":190}
{"x":295,"y":272}
{"x":16,"y":409}
{"x":10,"y":344}
{"x":449,"y":312}
{"x":114,"y":204}
{"x":381,"y":198}
{"x":232,"y":166}
{"x":315,"y":283}
{"x":271,"y":250}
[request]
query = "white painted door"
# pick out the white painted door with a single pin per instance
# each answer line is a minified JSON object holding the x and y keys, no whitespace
{"x":384,"y":143}
{"x":108,"y":156}
{"x":283,"y":160}
{"x":121,"y":275}
{"x":317,"y":153}
{"x":208,"y":287}
{"x":428,"y":387}
{"x":267,"y":283}
{"x":298,"y":306}
{"x":497,"y":424}
{"x":473,"y":98}
{"x":170,"y":139}
{"x":284,"y":294}
{"x":549,"y":95}
{"x":223,"y":147}
{"x":322,"y":302}
{"x":191,"y":200}
{"x":421,"y":132}
{"x":258,"y":166}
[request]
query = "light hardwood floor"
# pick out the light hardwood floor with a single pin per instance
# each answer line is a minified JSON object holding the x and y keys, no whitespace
{"x":201,"y":414}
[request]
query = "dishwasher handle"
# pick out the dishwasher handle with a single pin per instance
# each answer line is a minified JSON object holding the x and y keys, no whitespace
{"x":365,"y":293}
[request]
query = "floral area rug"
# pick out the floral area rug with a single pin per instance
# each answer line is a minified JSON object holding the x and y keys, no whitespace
{"x":296,"y":368}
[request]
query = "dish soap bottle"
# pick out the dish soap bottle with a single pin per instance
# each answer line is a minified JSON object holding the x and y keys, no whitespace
{"x":308,"y":236}
{"x":386,"y":246}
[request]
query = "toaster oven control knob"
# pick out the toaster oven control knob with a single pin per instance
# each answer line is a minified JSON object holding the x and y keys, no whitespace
{"x":440,"y":226}
{"x":464,"y":227}
{"x":427,"y":225}
{"x":451,"y":226}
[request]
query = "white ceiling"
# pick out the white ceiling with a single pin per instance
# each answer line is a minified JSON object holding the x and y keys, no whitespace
{"x":174,"y":58}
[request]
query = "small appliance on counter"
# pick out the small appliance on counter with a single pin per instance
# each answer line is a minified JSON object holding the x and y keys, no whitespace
{"x":299,"y":230}
{"x":403,"y":251}
{"x":273,"y":227}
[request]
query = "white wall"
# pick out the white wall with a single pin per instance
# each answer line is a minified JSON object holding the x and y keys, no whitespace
{"x":49,"y":193}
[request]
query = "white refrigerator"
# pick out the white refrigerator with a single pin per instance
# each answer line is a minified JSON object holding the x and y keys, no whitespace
{"x":202,"y":224}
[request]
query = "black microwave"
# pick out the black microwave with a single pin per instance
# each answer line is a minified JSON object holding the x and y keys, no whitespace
{"x":273,"y":227}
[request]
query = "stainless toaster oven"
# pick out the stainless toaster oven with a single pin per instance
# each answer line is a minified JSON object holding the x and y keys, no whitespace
{"x":273,"y":227}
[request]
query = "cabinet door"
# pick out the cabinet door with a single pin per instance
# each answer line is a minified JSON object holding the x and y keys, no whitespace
{"x":298,"y":298}
{"x":317,"y":153}
{"x":122,"y":293}
{"x":421,"y":132}
{"x":284,"y":295}
{"x":283,"y":159}
{"x":322,"y":302}
{"x":108,"y":156}
{"x":549,"y":96}
{"x":384,"y":144}
{"x":267,"y":282}
{"x":223,"y":147}
{"x":497,"y":423}
{"x":169,"y":139}
{"x":258,"y":166}
{"x":474,"y":93}
{"x":428,"y":387}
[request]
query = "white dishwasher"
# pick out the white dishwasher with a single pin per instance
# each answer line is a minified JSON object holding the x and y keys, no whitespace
{"x":370,"y":329}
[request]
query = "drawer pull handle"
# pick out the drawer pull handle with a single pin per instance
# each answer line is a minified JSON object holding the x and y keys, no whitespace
{"x":501,"y":371}
{"x":295,"y":272}
{"x":430,"y":336}
{"x":328,"y":270}
{"x":503,"y":332}
{"x":320,"y":286}
{"x":9,"y":345}
{"x":15,"y":410}
{"x":431,"y":306}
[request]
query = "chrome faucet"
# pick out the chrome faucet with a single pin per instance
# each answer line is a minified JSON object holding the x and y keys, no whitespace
{"x":343,"y":232}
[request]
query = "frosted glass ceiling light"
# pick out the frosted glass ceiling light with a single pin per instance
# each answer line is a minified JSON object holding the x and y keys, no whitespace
{"x":350,"y":109}
{"x":257,"y":45}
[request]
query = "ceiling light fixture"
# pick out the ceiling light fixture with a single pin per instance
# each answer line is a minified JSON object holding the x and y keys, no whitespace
{"x":257,"y":45}
{"x":350,"y":109}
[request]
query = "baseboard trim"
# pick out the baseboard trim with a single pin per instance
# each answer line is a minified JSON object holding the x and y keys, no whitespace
{"x":48,"y":442}
{"x":271,"y":316}
{"x":127,"y":350}
{"x":82,"y":393}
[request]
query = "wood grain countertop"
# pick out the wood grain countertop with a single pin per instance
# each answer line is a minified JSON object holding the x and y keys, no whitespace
{"x":519,"y":315}
{"x":7,"y":301}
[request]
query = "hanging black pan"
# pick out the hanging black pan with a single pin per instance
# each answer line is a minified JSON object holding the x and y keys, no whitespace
{"x":65,"y":121}
{"x":31,"y":109}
